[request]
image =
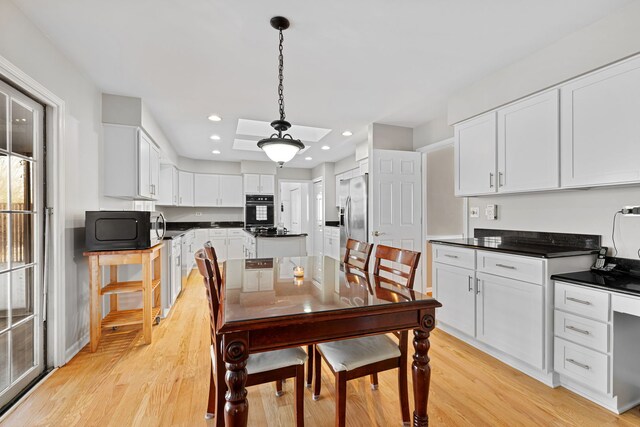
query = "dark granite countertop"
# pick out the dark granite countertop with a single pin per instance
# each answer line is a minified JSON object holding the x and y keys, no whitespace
{"x":624,"y":279}
{"x":332,"y":223}
{"x":274,"y":235}
{"x":529,"y":243}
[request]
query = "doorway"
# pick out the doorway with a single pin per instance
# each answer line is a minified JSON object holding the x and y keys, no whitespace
{"x":318,"y":218}
{"x":22,"y":192}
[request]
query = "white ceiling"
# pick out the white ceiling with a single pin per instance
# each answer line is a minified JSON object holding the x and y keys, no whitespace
{"x":347,"y":63}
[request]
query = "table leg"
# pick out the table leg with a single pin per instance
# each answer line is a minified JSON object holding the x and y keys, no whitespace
{"x":95,"y":313}
{"x":421,"y":371}
{"x":147,"y":295}
{"x":113,"y":277}
{"x":236,"y":408}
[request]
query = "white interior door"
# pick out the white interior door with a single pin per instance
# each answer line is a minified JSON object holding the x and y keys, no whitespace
{"x":396,"y":201}
{"x":318,"y":219}
{"x":21,"y":241}
{"x":294,"y":197}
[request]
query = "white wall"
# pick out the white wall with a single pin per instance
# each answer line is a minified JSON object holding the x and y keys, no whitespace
{"x":577,"y":211}
{"x":613,"y":37}
{"x":345,"y":164}
{"x":388,"y":137}
{"x":445,"y":212}
{"x":188,"y":214}
{"x":208,"y":166}
{"x":28,"y":49}
{"x":433,"y":131}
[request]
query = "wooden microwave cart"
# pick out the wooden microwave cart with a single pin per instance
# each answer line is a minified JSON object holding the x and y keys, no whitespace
{"x":149,"y":286}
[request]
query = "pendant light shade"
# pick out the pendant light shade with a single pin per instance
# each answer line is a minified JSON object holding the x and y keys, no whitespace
{"x":280,"y":147}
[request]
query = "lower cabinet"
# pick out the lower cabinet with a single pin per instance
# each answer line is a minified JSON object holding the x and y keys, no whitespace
{"x":235,"y":248}
{"x":510,"y":317}
{"x":454,"y":288}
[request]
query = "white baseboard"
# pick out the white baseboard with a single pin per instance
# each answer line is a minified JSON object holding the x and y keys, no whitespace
{"x":76,"y":347}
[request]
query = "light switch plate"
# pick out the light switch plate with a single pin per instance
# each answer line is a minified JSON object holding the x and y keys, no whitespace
{"x":474,"y":212}
{"x":491,"y":212}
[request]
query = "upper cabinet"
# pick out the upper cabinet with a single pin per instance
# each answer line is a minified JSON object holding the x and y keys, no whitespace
{"x":528,"y":144}
{"x":218,"y":190}
{"x":131,"y":163}
{"x":475,"y":156}
{"x":185,"y":189}
{"x":169,"y":190}
{"x":601,"y":127}
{"x":259,"y":184}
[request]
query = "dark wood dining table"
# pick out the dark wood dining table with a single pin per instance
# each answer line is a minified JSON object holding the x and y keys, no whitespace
{"x":264,"y":307}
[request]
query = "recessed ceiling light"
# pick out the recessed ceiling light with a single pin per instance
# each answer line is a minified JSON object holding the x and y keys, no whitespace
{"x":347,"y":133}
{"x":215,"y":118}
{"x":215,"y":137}
{"x":308,"y":158}
{"x":325,"y":147}
{"x":215,"y":152}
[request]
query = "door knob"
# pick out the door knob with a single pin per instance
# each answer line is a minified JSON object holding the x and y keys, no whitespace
{"x":377,"y":233}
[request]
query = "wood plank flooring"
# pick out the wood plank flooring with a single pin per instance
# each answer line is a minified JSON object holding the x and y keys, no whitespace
{"x":126,"y":383}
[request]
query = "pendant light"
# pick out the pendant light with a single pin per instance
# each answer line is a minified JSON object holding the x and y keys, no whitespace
{"x":280,"y":147}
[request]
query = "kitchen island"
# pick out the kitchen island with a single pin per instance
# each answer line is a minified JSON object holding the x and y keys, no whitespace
{"x":266,"y":243}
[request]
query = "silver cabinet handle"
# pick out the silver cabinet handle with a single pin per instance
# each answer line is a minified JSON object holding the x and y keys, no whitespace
{"x":510,"y":267}
{"x":581,"y":365}
{"x":477,"y":286}
{"x":451,"y":256}
{"x":579,"y":301}
{"x":500,"y":175}
{"x":490,"y":179}
{"x":582,"y":331}
{"x":470,"y":279}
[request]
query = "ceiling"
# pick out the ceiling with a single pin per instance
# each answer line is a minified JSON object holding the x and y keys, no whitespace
{"x":347,"y":63}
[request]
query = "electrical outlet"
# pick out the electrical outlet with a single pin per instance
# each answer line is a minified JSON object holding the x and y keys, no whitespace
{"x":491,"y":212}
{"x":198,"y":213}
{"x":474,"y":212}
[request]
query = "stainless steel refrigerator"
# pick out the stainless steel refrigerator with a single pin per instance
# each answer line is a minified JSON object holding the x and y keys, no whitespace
{"x":353,"y":210}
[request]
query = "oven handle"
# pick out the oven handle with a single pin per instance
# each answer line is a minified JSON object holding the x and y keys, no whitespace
{"x":164,"y":226}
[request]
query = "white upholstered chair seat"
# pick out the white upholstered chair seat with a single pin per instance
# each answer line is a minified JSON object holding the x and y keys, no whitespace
{"x":270,"y":360}
{"x":350,"y":354}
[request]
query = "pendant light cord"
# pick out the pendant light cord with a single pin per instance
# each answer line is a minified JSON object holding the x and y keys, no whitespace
{"x":281,"y":76}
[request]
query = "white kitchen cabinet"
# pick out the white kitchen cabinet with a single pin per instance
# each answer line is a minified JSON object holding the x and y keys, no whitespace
{"x":528,"y":144}
{"x":206,"y":190}
{"x":475,"y":156}
{"x":168,"y":187}
{"x":332,"y":242}
{"x":185,"y":188}
{"x":363,"y":167}
{"x":454,"y":288}
{"x":131,"y":163}
{"x":510,"y":317}
{"x":235,"y":247}
{"x":600,"y":130}
{"x":259,"y":184}
{"x":231,"y":191}
{"x":258,"y":280}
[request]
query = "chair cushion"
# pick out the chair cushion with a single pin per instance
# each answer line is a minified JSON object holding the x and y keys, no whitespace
{"x":350,"y":354}
{"x":270,"y":360}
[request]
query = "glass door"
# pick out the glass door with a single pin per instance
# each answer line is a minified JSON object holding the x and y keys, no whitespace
{"x":21,"y":241}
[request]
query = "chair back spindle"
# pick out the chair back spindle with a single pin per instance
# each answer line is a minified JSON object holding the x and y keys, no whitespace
{"x":357,"y":254}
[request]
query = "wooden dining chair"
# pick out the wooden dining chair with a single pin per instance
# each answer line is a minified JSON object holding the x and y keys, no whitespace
{"x":358,"y":357}
{"x":357,"y":254}
{"x":261,"y":367}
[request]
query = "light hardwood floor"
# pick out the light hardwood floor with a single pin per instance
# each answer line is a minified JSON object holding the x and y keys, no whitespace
{"x":126,"y":383}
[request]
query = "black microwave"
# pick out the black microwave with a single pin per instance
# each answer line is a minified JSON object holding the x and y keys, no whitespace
{"x":121,"y":230}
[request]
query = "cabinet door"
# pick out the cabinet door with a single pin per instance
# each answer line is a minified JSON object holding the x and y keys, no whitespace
{"x":338,"y":178}
{"x":327,"y":246}
{"x":511,"y":317}
{"x":601,"y":127}
{"x":235,"y":248}
{"x":154,"y":172}
{"x":175,"y":186}
{"x":266,"y":280}
{"x":455,"y":288}
{"x":206,"y":189}
{"x":231,"y":191}
{"x":251,"y":183}
{"x":185,"y":186}
{"x":166,"y":189}
{"x":475,"y":156}
{"x":528,"y":144}
{"x":267,"y":184}
{"x":364,"y":167}
{"x":220,"y":245}
{"x":144,"y":164}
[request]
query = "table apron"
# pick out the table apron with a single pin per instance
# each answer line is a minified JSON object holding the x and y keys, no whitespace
{"x":277,"y":337}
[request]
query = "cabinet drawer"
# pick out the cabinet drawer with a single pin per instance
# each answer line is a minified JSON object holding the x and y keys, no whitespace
{"x":512,"y":266}
{"x":218,"y":232}
{"x":460,"y":257}
{"x":233,"y":232}
{"x":581,"y":330}
{"x":582,"y":301}
{"x":582,"y":364}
